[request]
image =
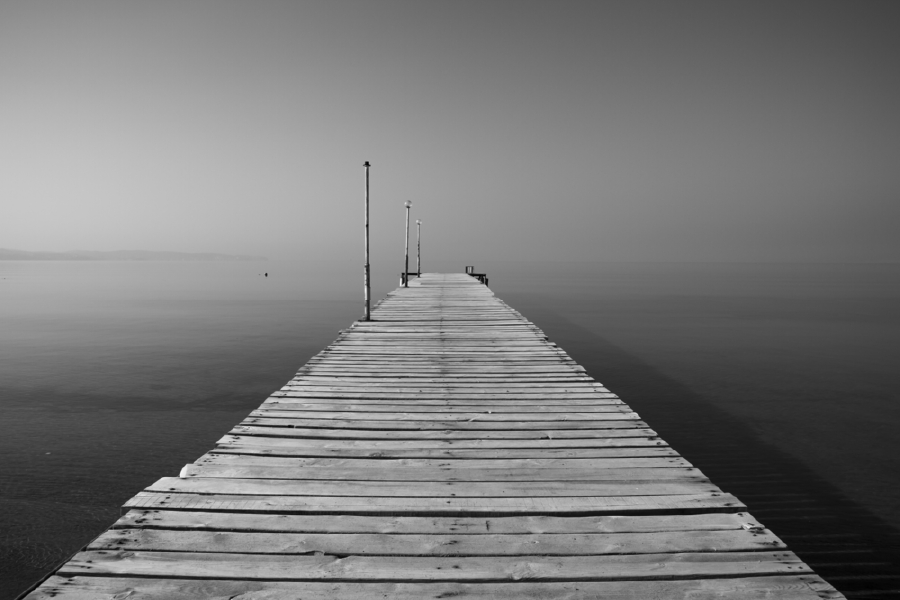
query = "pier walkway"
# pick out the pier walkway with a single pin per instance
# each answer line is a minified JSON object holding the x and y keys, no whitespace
{"x":445,"y":449}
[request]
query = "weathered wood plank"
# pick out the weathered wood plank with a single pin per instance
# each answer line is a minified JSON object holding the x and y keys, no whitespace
{"x":447,"y":416}
{"x":381,"y":473}
{"x":397,"y":367}
{"x":212,"y":521}
{"x":668,"y":459}
{"x":412,"y":368}
{"x":428,"y":569}
{"x":799,"y":587}
{"x":391,"y":445}
{"x":435,"y":404}
{"x":455,"y":379}
{"x":431,"y":489}
{"x":417,"y":545}
{"x":546,"y":390}
{"x":485,"y":397}
{"x":576,"y":383}
{"x":297,"y":419}
{"x":434,"y":453}
{"x":413,"y":355}
{"x":389,"y":406}
{"x":279,"y":429}
{"x":443,"y":506}
{"x":413,"y":364}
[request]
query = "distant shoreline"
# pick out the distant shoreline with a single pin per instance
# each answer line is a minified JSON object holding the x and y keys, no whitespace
{"x":131,"y":255}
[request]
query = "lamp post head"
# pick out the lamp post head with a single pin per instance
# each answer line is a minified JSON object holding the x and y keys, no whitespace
{"x":418,"y":221}
{"x":366,"y":164}
{"x":408,"y":203}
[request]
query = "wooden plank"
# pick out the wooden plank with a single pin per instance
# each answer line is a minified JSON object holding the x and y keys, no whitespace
{"x":443,"y":354}
{"x":458,"y":359}
{"x":797,"y":587}
{"x":446,"y":329}
{"x":419,"y":545}
{"x":458,"y":379}
{"x":459,"y":396}
{"x":590,"y":397}
{"x":310,"y":382}
{"x":297,"y":419}
{"x":431,"y":489}
{"x":520,"y":342}
{"x":443,"y":506}
{"x":545,"y":389}
{"x":322,"y":404}
{"x":450,"y":416}
{"x":436,"y":405}
{"x":415,"y":362}
{"x":416,"y":366}
{"x":670,"y":459}
{"x":486,"y":335}
{"x":396,"y":367}
{"x":390,"y":445}
{"x":461,"y":320}
{"x":492,"y":343}
{"x":463,"y":400}
{"x":418,"y":354}
{"x":381,"y":473}
{"x":432,"y":569}
{"x":279,"y":429}
{"x":437,"y":453}
{"x":570,"y":382}
{"x":212,"y":521}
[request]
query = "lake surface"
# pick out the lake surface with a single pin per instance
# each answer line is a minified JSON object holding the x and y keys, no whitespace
{"x":779,"y":381}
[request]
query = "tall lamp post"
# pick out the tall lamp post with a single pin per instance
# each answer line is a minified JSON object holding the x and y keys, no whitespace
{"x":418,"y":247}
{"x":407,"y":204}
{"x":367,"y":279}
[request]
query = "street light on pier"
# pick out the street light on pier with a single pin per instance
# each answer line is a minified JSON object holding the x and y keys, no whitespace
{"x":407,"y":204}
{"x":418,"y":247}
{"x":367,"y":281}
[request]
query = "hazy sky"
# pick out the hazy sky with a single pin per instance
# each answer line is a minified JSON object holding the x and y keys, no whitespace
{"x":550,"y":130}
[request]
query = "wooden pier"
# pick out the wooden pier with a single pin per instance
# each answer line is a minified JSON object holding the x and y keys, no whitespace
{"x":445,"y":449}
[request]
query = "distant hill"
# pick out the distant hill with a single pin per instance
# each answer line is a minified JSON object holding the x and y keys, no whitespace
{"x":7,"y":254}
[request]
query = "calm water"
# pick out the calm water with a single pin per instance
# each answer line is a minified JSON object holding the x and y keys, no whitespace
{"x":779,"y":381}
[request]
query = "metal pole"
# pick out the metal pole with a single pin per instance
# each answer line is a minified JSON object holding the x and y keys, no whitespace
{"x":406,"y":263}
{"x":367,"y":315}
{"x":418,"y":248}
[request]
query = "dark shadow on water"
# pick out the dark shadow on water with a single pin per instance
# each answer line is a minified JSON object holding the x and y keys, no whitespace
{"x":851,"y":548}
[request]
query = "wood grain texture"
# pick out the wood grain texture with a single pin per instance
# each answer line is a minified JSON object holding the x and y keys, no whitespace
{"x":487,"y":545}
{"x":538,"y":524}
{"x":313,"y":567}
{"x":440,"y":506}
{"x":792,"y":587}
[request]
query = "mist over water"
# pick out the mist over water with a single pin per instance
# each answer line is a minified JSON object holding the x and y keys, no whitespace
{"x":779,"y":381}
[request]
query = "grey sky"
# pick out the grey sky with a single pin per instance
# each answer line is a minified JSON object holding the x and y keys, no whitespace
{"x":520,"y":130}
